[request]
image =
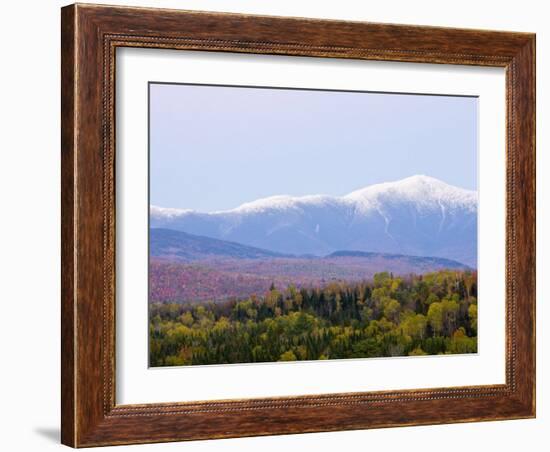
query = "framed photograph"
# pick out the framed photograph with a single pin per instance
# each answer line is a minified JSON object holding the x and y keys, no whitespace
{"x":280,"y":225}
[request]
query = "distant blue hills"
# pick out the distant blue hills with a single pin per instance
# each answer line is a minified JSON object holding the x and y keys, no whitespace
{"x":171,"y":245}
{"x":180,"y":245}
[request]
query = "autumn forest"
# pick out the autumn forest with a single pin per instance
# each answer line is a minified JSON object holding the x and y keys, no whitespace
{"x":386,"y":315}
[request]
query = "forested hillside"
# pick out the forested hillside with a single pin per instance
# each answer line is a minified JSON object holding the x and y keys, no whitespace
{"x":435,"y":313}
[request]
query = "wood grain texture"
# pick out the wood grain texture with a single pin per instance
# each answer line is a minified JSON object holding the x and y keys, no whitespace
{"x":90,"y":36}
{"x":67,"y":226}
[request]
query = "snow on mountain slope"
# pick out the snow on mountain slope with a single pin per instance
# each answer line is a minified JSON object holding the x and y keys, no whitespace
{"x":423,"y":191}
{"x":418,"y":215}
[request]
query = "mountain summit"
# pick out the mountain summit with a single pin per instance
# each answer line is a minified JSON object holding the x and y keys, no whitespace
{"x":419,"y":215}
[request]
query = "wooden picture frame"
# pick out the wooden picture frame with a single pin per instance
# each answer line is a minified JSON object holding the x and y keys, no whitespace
{"x":90,"y":35}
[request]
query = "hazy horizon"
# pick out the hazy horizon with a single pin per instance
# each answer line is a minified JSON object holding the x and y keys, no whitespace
{"x":214,"y":148}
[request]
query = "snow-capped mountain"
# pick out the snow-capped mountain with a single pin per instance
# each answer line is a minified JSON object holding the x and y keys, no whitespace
{"x":418,"y":215}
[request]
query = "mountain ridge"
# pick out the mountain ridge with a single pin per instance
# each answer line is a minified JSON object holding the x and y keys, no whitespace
{"x":419,"y":215}
{"x":175,"y":244}
{"x":412,"y":184}
{"x":182,"y":246}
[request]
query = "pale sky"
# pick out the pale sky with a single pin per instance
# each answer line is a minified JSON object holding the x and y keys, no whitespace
{"x":214,"y":148}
